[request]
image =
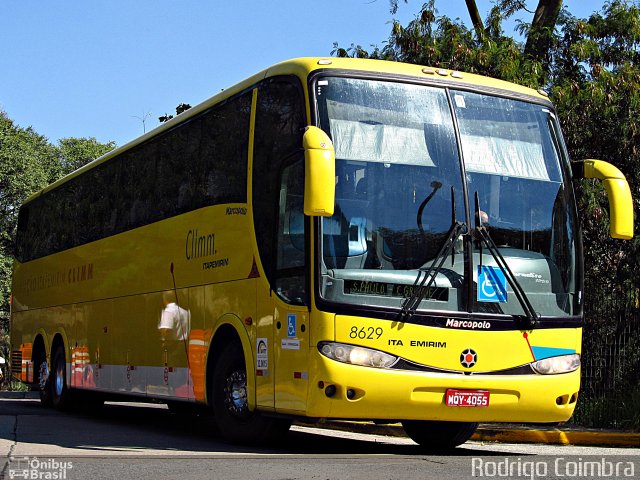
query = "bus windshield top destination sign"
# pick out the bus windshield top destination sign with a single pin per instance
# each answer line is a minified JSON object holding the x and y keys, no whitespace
{"x":355,"y":287}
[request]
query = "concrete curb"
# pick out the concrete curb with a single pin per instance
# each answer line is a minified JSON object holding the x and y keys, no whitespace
{"x":508,"y":434}
{"x":557,"y":436}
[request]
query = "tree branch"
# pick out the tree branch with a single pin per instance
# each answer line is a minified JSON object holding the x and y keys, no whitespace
{"x":476,"y":19}
{"x":541,"y":31}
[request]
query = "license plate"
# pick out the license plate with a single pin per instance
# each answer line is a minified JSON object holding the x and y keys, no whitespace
{"x":466,"y":398}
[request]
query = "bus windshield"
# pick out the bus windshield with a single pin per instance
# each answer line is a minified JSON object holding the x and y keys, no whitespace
{"x":406,"y":157}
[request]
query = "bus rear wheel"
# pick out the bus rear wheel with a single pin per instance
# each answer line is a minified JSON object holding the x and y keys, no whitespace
{"x":235,"y":420}
{"x":43,"y":380}
{"x":59,"y":391}
{"x":433,"y":435}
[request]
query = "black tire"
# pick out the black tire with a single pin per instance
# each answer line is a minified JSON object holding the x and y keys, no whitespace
{"x":434,"y":436}
{"x":60,"y":395}
{"x":228,"y":393}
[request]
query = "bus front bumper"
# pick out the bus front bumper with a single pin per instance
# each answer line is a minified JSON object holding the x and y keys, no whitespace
{"x":344,"y":391}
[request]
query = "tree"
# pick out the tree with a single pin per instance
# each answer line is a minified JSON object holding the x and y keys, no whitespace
{"x":442,"y":42}
{"x":540,"y":36}
{"x":183,"y":107}
{"x":439,"y":41}
{"x":393,"y":5}
{"x":596,"y":89}
{"x":476,"y":20}
{"x":540,"y":32}
{"x":76,"y":152}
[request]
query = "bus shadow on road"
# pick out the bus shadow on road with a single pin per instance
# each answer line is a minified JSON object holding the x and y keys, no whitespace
{"x":152,"y":429}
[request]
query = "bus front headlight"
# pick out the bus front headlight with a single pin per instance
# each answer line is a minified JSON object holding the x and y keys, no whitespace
{"x":366,"y":357}
{"x":554,"y":365}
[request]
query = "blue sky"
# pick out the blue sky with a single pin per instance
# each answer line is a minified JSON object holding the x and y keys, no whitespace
{"x":94,"y":68}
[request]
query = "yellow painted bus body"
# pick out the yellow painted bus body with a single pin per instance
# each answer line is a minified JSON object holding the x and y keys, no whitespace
{"x":109,"y":305}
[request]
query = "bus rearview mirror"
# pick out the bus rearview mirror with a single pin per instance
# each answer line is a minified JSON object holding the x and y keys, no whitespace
{"x":319,"y":174}
{"x":620,"y":201}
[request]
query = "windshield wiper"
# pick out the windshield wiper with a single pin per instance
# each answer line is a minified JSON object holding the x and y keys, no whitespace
{"x":531,"y":316}
{"x":427,"y":277}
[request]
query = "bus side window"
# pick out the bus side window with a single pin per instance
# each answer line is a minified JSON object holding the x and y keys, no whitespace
{"x":290,"y":261}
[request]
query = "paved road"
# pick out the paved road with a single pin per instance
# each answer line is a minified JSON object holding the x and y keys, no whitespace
{"x":147,"y":441}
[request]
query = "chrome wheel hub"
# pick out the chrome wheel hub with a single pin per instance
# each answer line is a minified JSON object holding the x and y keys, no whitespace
{"x":43,"y":376}
{"x":235,"y":394}
{"x":59,"y":380}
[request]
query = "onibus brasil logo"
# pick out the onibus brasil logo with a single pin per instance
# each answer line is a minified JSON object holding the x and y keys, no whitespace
{"x":35,"y":468}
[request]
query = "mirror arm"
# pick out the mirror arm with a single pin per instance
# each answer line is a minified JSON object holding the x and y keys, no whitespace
{"x":577,"y":170}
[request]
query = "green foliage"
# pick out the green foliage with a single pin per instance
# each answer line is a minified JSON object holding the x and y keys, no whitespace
{"x":393,"y":5}
{"x":183,"y":107}
{"x":441,"y":42}
{"x":596,"y":89}
{"x":14,"y":386}
{"x":5,"y":292}
{"x":4,"y":353}
{"x":76,"y":152}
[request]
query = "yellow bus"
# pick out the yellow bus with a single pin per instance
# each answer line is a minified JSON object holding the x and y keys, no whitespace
{"x":328,"y":239}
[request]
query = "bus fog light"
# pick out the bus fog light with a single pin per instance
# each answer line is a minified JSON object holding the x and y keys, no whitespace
{"x":353,"y":355}
{"x":554,"y":365}
{"x":359,"y":356}
{"x":341,"y":354}
{"x":330,"y":391}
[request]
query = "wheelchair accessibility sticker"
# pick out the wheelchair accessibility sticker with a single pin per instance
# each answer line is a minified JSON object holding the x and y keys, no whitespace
{"x":291,"y":325}
{"x":492,"y":285}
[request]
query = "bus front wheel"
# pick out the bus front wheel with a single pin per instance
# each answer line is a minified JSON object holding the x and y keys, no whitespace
{"x":235,"y":420}
{"x":435,"y":435}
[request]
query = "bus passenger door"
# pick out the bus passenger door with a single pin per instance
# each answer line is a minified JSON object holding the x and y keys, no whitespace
{"x":291,"y":316}
{"x":291,"y":358}
{"x":277,"y":201}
